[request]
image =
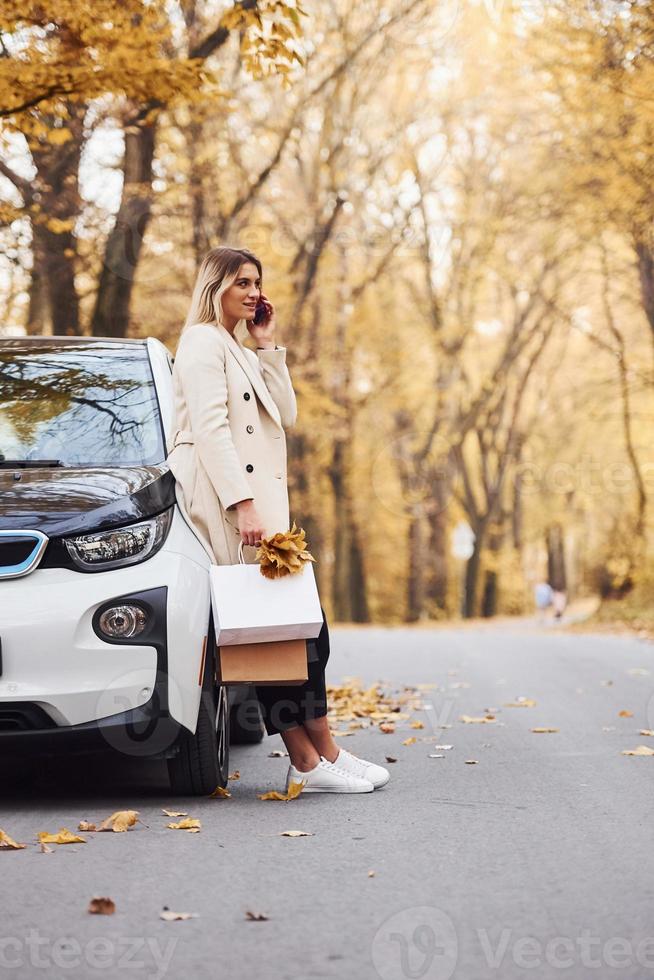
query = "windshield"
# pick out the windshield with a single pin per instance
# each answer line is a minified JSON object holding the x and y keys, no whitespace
{"x":80,"y":404}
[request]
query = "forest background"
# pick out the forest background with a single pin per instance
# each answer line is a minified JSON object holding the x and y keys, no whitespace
{"x":452,"y":201}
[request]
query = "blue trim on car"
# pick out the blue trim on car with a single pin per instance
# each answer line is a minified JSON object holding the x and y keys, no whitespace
{"x":40,"y":541}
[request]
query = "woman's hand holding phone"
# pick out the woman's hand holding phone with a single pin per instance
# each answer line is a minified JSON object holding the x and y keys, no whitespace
{"x":263,"y":324}
{"x":261,"y":312}
{"x":249,"y":523}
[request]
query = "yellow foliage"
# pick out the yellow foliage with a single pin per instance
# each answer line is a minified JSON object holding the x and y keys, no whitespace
{"x":120,"y":821}
{"x":59,"y":136}
{"x":283,"y":554}
{"x":126,"y":49}
{"x":63,"y":836}
{"x":59,"y":226}
{"x":7,"y":843}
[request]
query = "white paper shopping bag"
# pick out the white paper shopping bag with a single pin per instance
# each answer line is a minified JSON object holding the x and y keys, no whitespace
{"x":250,"y":608}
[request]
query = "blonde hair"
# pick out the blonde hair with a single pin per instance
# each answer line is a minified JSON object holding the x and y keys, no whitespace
{"x":218,"y":271}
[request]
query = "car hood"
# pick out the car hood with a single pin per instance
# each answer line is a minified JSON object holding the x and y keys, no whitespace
{"x":79,"y":501}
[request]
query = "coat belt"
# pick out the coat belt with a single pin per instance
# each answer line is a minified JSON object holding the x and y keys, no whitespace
{"x":182,"y":437}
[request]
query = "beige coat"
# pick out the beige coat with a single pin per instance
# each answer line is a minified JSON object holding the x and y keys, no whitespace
{"x":227,"y":441}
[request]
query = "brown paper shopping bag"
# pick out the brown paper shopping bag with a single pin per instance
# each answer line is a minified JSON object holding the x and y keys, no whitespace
{"x":266,"y":663}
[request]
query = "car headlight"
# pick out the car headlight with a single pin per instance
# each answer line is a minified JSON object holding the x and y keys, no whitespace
{"x":120,"y":546}
{"x":118,"y":622}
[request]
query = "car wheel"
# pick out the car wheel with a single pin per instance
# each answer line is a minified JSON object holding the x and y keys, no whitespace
{"x":203,"y":758}
{"x":246,"y":725}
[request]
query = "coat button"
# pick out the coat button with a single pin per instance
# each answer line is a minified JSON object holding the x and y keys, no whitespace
{"x":249,"y":467}
{"x":278,"y":475}
{"x":249,"y":428}
{"x":246,"y":395}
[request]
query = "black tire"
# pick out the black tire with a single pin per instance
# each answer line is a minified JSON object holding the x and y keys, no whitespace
{"x":246,"y":725}
{"x":202,"y":762}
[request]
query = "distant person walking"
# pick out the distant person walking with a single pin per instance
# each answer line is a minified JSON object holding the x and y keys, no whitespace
{"x":543,"y":596}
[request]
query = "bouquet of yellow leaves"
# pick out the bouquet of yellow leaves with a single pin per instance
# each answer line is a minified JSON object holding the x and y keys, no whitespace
{"x":283,"y":554}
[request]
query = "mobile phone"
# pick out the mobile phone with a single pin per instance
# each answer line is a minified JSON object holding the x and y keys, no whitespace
{"x":260,"y":312}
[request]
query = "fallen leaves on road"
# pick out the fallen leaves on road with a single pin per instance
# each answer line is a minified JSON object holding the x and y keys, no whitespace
{"x":63,"y":836}
{"x":641,"y":750}
{"x":296,"y":833}
{"x":543,"y":731}
{"x":387,"y":728}
{"x":234,"y":775}
{"x":472,"y":762}
{"x":85,"y":825}
{"x":390,"y":758}
{"x":170,"y":916}
{"x":409,"y":741}
{"x":120,"y":821}
{"x":371,"y":874}
{"x":349,"y":701}
{"x":294,"y":790}
{"x":8,"y":844}
{"x":625,"y":714}
{"x":256,"y":916}
{"x":102,"y":906}
{"x":416,"y":724}
{"x":520,"y":703}
{"x":277,"y":754}
{"x":469,"y":720}
{"x":175,"y":813}
{"x":190,"y":824}
{"x":219,"y":793}
{"x":646,"y":731}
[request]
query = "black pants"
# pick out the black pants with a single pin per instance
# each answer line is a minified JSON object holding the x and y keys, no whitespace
{"x":286,"y":705}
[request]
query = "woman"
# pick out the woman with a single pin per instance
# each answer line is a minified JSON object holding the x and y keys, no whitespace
{"x":228,"y":456}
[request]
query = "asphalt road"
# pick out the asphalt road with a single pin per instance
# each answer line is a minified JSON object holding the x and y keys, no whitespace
{"x":537,"y":861}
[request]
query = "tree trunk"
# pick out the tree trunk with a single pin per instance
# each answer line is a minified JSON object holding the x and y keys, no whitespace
{"x":359,"y":598}
{"x":39,"y":320}
{"x":60,"y":280}
{"x":417,"y":558}
{"x":556,"y":558}
{"x":469,"y":604}
{"x":438,"y":556}
{"x":196,"y":190}
{"x":299,"y":450}
{"x":341,"y":578}
{"x":490,"y":596}
{"x":349,"y":588}
{"x":123,"y":248}
{"x":645,"y":258}
{"x":627,"y":425}
{"x":55,"y":251}
{"x":517,"y":509}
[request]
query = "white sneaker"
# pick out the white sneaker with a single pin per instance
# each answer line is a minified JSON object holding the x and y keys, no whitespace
{"x":326,"y":777}
{"x":377,"y":775}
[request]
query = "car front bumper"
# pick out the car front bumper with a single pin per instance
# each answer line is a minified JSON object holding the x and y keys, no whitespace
{"x":63,"y":685}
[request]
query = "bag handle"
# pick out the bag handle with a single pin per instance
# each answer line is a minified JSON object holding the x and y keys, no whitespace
{"x":240,"y":552}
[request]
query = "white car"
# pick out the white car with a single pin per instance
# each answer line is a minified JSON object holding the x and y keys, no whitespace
{"x":106,"y":637}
